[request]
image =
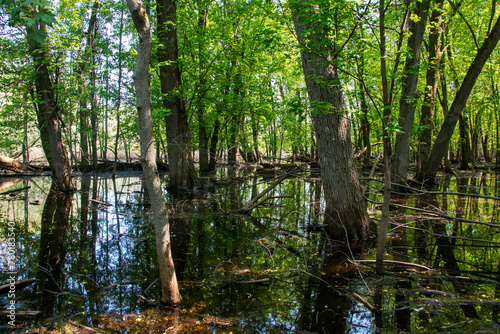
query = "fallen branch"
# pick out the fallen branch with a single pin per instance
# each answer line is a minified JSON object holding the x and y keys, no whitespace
{"x":14,"y":191}
{"x":364,"y":302}
{"x":15,"y":166}
{"x":18,"y":285}
{"x":91,"y":330}
{"x":409,"y":264}
{"x":254,"y":202}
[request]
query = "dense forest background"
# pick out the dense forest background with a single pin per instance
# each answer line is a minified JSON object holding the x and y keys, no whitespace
{"x":242,"y":82}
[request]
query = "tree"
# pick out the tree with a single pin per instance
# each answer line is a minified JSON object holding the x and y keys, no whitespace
{"x":85,"y":64}
{"x":442,"y":141}
{"x":170,"y":291}
{"x":434,"y":59}
{"x":181,"y":167}
{"x":345,"y":210}
{"x":409,"y":94}
{"x":36,"y":20}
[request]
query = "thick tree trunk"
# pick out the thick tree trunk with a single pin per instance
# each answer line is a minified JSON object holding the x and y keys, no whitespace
{"x":345,"y":211}
{"x":428,"y":106}
{"x":170,"y":292}
{"x":49,"y":121}
{"x":182,"y":172}
{"x":443,"y":139}
{"x":409,"y":94}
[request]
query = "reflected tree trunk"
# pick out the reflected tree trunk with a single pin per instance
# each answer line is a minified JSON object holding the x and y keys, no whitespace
{"x":52,"y":253}
{"x":170,"y":291}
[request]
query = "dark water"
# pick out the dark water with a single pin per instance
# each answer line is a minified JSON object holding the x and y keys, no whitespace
{"x":274,"y":272}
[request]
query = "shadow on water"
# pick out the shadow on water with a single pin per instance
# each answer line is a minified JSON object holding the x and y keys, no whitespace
{"x":273,"y":270}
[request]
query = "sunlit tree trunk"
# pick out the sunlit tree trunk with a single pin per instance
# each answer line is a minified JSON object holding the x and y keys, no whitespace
{"x":170,"y":292}
{"x":181,"y":167}
{"x":345,"y":211}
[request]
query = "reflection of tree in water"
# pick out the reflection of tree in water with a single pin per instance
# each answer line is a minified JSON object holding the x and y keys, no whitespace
{"x":54,"y":229}
{"x":334,"y":303}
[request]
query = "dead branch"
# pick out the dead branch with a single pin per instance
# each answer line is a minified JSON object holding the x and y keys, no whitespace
{"x":254,"y":202}
{"x":15,"y":166}
{"x":408,"y":264}
{"x":14,"y":191}
{"x":18,"y":285}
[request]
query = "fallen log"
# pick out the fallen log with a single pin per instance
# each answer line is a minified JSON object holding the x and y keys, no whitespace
{"x":15,"y":166}
{"x":18,"y":285}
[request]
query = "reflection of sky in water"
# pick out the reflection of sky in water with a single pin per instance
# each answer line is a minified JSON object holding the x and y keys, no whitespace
{"x":122,"y":263}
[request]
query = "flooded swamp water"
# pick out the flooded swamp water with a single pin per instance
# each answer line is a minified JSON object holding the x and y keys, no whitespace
{"x":274,"y":271}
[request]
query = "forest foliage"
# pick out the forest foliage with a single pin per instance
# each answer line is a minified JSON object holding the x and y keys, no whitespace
{"x":242,"y":76}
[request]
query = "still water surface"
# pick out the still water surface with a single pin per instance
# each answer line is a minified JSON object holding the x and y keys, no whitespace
{"x":272,"y":272}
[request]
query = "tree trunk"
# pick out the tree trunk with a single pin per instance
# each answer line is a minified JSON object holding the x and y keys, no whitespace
{"x":387,"y":149}
{"x":409,"y":94}
{"x":49,"y":121}
{"x":170,"y":292}
{"x":181,"y":166}
{"x":428,"y":106}
{"x":82,"y":69}
{"x":213,"y":145}
{"x":345,"y":211}
{"x":465,"y":153}
{"x":443,"y":139}
{"x":202,"y":122}
{"x":119,"y":95}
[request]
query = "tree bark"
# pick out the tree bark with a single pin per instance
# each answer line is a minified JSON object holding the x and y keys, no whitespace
{"x":443,"y":139}
{"x":181,"y":166}
{"x":409,"y":94}
{"x":345,"y":211}
{"x":170,"y":292}
{"x":202,"y":81}
{"x":428,"y":106}
{"x":49,"y":122}
{"x":82,"y":69}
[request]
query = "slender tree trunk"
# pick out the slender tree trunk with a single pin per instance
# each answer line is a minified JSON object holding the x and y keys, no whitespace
{"x":387,"y":150}
{"x":409,"y":93}
{"x":119,"y":94}
{"x":85,"y":64}
{"x":213,"y":145}
{"x":181,"y":166}
{"x":345,"y":211}
{"x":428,"y":106}
{"x":170,"y":292}
{"x":202,"y":122}
{"x":443,"y":139}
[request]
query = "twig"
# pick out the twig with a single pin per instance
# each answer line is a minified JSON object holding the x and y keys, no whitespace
{"x":398,"y":262}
